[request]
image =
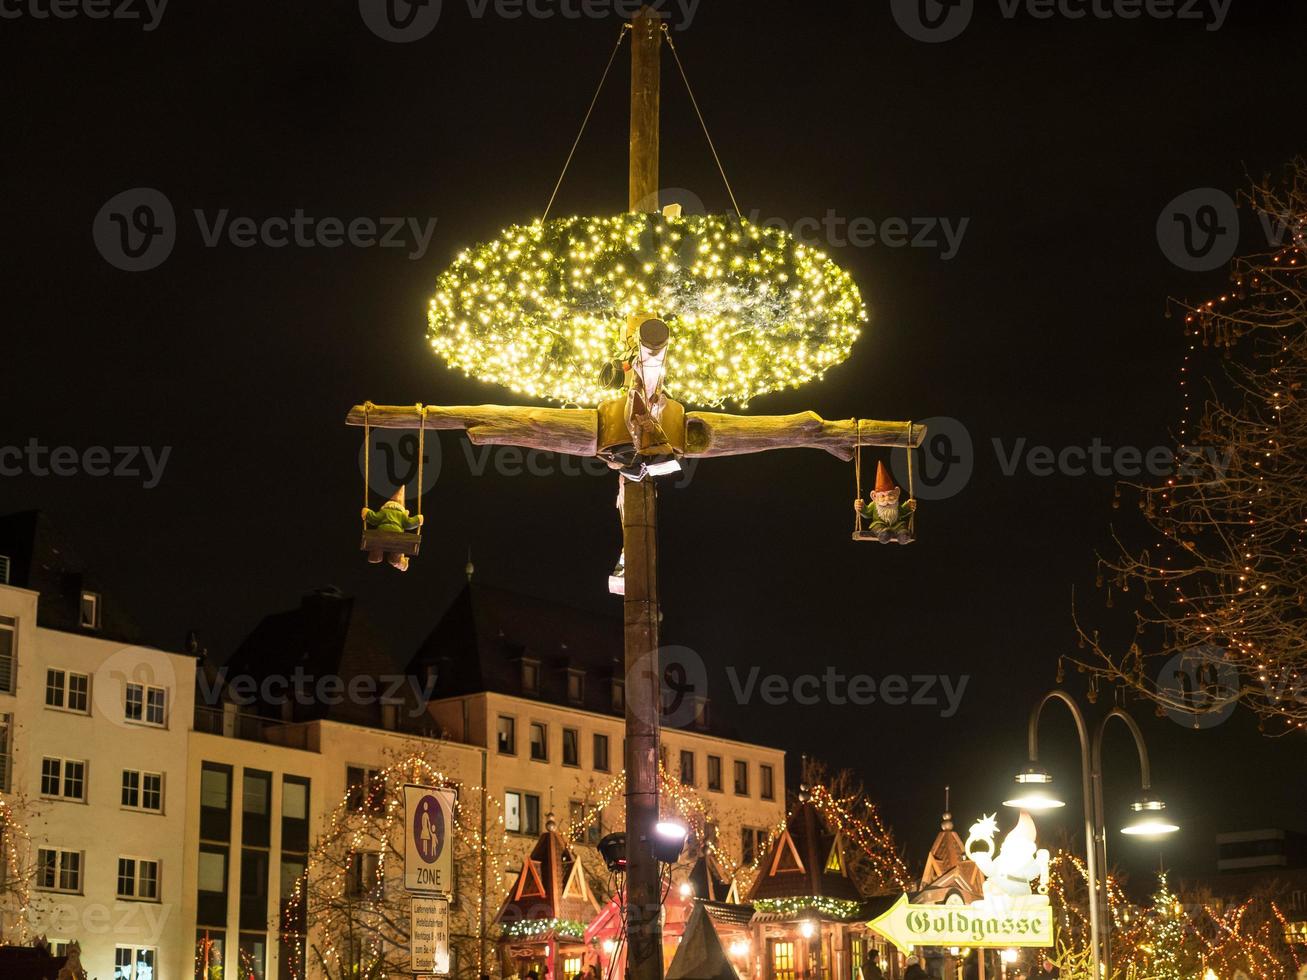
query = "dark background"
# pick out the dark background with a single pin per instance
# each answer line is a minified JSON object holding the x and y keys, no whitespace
{"x":1061,"y":140}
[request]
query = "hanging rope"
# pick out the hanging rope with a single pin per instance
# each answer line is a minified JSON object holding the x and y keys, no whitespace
{"x":422,"y":453}
{"x":593,"y":102}
{"x":857,"y":475}
{"x":367,"y":457}
{"x":912,"y":494}
{"x":695,"y":102}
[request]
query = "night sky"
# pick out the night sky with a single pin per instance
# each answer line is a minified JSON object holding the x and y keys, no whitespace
{"x":1059,"y":140}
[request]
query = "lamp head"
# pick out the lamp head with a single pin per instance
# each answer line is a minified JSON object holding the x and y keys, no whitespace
{"x":1034,"y":791}
{"x":612,"y":849}
{"x":669,"y":840}
{"x":1149,"y":819}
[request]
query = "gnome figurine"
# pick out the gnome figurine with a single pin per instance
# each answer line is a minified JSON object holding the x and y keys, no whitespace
{"x":393,"y":518}
{"x":887,"y":519}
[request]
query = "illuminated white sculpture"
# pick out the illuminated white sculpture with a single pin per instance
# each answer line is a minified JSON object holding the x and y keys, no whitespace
{"x":1010,"y":868}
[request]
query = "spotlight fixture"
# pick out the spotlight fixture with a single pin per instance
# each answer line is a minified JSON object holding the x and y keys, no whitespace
{"x":669,"y":840}
{"x":1034,"y":791}
{"x":613,"y":850}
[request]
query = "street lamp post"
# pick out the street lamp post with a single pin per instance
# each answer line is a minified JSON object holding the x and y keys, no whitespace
{"x":1034,"y":794}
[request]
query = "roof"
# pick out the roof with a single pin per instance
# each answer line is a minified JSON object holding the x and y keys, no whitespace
{"x":550,"y":886}
{"x":710,"y":882}
{"x":949,"y":871}
{"x":806,"y":860}
{"x":699,"y":954}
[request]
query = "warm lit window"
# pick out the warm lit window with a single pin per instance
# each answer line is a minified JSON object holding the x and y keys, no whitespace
{"x":138,"y":878}
{"x":521,"y":813}
{"x":715,"y":773}
{"x":571,"y":747}
{"x":782,"y":960}
{"x":687,"y":768}
{"x":507,"y":735}
{"x":766,"y":783}
{"x":539,"y":741}
{"x":58,"y":870}
{"x":741,"y":779}
{"x":601,"y":753}
{"x":63,"y":779}
{"x":146,"y":704}
{"x":68,"y":690}
{"x":90,"y":611}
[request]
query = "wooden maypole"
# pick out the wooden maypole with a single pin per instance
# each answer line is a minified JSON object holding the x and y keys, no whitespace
{"x":640,"y":539}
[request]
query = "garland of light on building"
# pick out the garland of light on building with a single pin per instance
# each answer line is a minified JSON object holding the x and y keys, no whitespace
{"x":542,"y":308}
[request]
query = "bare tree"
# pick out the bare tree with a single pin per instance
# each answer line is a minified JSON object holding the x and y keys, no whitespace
{"x":20,"y":911}
{"x":349,"y":916}
{"x":1216,"y":588}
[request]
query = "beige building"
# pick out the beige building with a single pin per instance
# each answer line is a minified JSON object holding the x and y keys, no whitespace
{"x":170,"y":808}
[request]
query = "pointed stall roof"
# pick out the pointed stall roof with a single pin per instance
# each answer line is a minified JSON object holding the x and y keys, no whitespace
{"x":550,"y":886}
{"x":700,"y":955}
{"x":805,"y":861}
{"x":710,"y":882}
{"x":949,"y":873}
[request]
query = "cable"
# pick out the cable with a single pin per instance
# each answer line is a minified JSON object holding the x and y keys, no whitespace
{"x":584,"y":122}
{"x":695,"y":102}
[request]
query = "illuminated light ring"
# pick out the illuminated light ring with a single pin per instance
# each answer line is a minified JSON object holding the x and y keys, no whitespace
{"x":542,"y":307}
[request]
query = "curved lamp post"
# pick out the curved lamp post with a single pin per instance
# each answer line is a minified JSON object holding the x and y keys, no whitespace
{"x":1035,"y":793}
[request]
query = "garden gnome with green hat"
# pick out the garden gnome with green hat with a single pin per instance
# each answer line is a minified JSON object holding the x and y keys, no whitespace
{"x":393,"y":518}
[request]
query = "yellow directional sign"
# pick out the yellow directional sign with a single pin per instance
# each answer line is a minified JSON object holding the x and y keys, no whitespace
{"x":907,"y":925}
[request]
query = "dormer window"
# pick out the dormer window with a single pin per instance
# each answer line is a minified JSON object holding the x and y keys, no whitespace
{"x":575,"y":686}
{"x":90,"y":615}
{"x":530,"y":676}
{"x":619,"y":695}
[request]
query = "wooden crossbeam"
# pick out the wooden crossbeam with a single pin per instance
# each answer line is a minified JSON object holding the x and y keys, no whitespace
{"x":575,"y":431}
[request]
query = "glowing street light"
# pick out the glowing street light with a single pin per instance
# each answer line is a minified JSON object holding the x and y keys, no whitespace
{"x":1034,"y":791}
{"x":1150,"y":820}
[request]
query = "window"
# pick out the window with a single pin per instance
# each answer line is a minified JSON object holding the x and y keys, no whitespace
{"x":211,"y":903}
{"x":133,"y":963}
{"x":68,"y":690}
{"x":366,"y":789}
{"x":766,"y":783}
{"x":138,"y":878}
{"x":715,"y":773}
{"x":571,"y":747}
{"x":294,"y":814}
{"x":63,"y":779}
{"x":521,"y":813}
{"x":364,"y":875}
{"x":253,"y":958}
{"x":58,"y":870}
{"x":687,"y":768}
{"x":256,"y":808}
{"x":601,"y":753}
{"x":6,"y":752}
{"x":741,"y":778}
{"x":209,"y":958}
{"x":146,"y":704}
{"x":90,"y":611}
{"x":752,"y":842}
{"x":253,"y":888}
{"x":215,"y":802}
{"x":507,"y":735}
{"x":619,"y":695}
{"x":575,"y":686}
{"x":782,"y":960}
{"x":143,"y":790}
{"x":530,"y":676}
{"x":4,"y":569}
{"x":539,"y":741}
{"x":8,"y":648}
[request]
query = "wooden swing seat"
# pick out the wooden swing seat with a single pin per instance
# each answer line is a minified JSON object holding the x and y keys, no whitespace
{"x":900,"y":537}
{"x":392,"y":542}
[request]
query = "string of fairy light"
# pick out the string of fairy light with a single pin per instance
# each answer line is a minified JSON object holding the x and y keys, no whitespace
{"x":1173,"y":939}
{"x":543,"y":307}
{"x":15,"y":844}
{"x":363,"y":931}
{"x":1224,"y":580}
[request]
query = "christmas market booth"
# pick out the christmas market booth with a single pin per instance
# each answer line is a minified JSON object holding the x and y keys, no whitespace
{"x":543,"y":921}
{"x":950,"y":877}
{"x":810,"y":916}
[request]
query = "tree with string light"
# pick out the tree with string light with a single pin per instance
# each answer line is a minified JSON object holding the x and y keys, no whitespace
{"x":17,"y":871}
{"x":1220,"y":586}
{"x":349,"y":915}
{"x":1166,"y":943}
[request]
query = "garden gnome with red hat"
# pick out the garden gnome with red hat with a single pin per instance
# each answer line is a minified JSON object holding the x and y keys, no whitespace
{"x":392,"y":518}
{"x":888,"y":521}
